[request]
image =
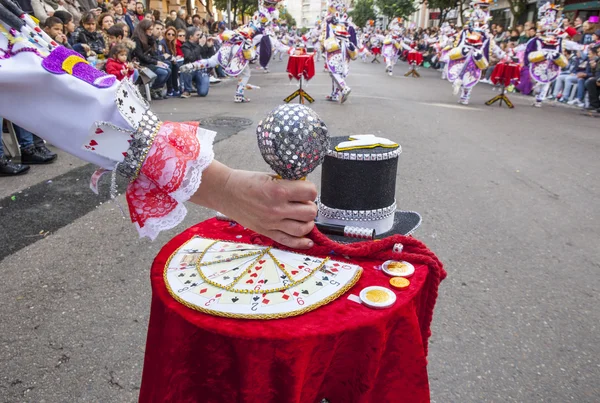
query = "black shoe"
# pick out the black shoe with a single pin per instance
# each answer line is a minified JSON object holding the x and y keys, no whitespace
{"x":9,"y":168}
{"x":44,"y":150}
{"x":29,"y":156}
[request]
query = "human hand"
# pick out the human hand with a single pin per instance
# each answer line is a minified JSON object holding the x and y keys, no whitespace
{"x":86,"y":48}
{"x":162,"y":64}
{"x":280,"y":209}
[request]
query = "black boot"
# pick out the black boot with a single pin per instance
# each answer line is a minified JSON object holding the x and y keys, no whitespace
{"x":9,"y":168}
{"x":42,"y":149}
{"x":30,"y":155}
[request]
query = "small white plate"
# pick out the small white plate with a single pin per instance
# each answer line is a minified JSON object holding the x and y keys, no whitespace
{"x":377,"y":297}
{"x":407,"y":271}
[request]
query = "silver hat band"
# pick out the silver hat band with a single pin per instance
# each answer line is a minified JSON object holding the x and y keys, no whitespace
{"x":365,"y":157}
{"x":355,"y":215}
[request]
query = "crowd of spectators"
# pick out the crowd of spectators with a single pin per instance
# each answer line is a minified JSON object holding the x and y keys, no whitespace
{"x":122,"y":38}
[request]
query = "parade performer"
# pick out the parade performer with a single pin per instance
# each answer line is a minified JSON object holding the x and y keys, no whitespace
{"x":472,"y":52}
{"x":544,"y":53}
{"x":166,"y":163}
{"x":313,"y":40}
{"x":445,"y":44}
{"x":338,"y":40}
{"x":236,"y":52}
{"x":393,"y":44}
{"x":266,"y":42}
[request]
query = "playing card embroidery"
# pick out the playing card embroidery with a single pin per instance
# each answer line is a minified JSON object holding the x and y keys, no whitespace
{"x":252,"y":281}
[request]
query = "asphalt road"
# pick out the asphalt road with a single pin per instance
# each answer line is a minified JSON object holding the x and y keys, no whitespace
{"x":509,"y":200}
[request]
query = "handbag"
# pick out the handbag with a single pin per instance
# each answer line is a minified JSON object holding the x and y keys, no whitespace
{"x":147,"y":75}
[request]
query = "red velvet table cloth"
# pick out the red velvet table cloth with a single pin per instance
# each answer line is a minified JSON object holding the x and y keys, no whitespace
{"x":301,"y":66}
{"x":343,"y":351}
{"x":505,"y":73}
{"x":414,"y":57}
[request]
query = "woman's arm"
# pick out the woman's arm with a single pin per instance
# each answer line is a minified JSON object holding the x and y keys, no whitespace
{"x":280,"y":209}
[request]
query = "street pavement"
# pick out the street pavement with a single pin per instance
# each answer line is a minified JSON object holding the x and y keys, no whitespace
{"x":509,"y":200}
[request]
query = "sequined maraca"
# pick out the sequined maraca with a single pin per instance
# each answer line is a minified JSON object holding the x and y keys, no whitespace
{"x":293,"y":140}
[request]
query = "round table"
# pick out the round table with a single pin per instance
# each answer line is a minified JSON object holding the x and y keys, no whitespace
{"x":506,"y":74}
{"x":301,"y":66}
{"x":414,"y":57}
{"x":343,"y":351}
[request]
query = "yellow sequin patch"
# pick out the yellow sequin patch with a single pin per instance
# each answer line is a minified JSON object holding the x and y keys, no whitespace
{"x":70,"y":63}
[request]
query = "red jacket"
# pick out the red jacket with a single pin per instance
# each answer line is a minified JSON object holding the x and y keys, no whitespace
{"x":178,"y":47}
{"x":116,"y":68}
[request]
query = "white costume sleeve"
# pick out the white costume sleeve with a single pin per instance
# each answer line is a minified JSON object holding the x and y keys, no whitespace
{"x":53,"y":92}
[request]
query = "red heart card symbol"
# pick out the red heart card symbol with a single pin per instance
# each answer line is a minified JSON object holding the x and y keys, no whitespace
{"x":261,"y":261}
{"x":261,"y":282}
{"x":99,"y":131}
{"x":250,"y":281}
{"x":294,"y":272}
{"x":257,"y":268}
{"x":254,"y":275}
{"x":93,"y":143}
{"x":301,"y":267}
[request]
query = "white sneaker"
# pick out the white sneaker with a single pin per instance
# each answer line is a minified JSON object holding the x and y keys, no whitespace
{"x":576,"y":102}
{"x":214,"y":80}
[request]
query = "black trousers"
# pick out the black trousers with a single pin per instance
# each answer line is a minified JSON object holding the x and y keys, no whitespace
{"x":593,"y":90}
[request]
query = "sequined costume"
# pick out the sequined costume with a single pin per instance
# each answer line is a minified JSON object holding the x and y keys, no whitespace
{"x":266,"y":42}
{"x":544,"y":53}
{"x":108,"y":122}
{"x":393,"y":44}
{"x":472,"y":52}
{"x":235,"y":54}
{"x":338,"y":40}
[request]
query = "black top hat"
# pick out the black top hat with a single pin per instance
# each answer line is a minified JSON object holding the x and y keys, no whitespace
{"x":358,"y":184}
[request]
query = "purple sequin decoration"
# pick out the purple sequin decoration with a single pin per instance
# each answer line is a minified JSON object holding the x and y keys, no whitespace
{"x":83,"y":71}
{"x":8,"y":53}
{"x":471,"y":74}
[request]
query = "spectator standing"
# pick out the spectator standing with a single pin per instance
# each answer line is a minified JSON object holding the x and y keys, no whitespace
{"x":119,"y":15}
{"x":105,"y":22}
{"x":578,"y":25}
{"x":180,"y":20}
{"x":140,"y":13}
{"x":588,"y":31}
{"x":146,"y":52}
{"x":170,"y":21}
{"x":193,"y":50}
{"x":130,"y":16}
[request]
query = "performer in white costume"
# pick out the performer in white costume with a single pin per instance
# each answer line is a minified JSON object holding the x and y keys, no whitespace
{"x":338,"y":40}
{"x":472,"y":52}
{"x":393,"y":44}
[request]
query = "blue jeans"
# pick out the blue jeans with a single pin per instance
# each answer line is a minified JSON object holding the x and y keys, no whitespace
{"x":162,"y":75}
{"x":24,"y":137}
{"x":201,"y":79}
